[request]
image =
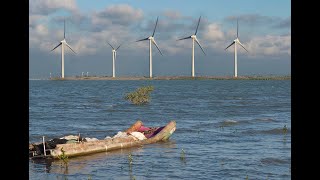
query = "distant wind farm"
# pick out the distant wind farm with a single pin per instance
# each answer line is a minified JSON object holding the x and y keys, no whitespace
{"x":152,"y":40}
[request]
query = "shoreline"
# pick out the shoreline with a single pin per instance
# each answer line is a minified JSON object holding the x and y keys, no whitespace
{"x":178,"y":78}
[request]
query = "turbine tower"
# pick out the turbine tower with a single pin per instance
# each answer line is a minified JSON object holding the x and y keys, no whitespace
{"x":235,"y":42}
{"x":194,"y":38}
{"x":62,"y":43}
{"x":114,"y":56}
{"x":151,"y":40}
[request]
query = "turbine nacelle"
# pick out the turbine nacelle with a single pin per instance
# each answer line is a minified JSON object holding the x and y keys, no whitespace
{"x":193,"y":36}
{"x":151,"y":38}
{"x":113,"y":50}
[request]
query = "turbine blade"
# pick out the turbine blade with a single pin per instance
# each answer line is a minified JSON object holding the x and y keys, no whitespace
{"x":119,"y":46}
{"x":110,"y":45}
{"x":143,"y":39}
{"x":154,"y":42}
{"x":184,"y":38}
{"x":70,"y":47}
{"x":237,"y":28}
{"x":229,"y":45}
{"x":56,"y":46}
{"x":155,"y":27}
{"x":64,"y":29}
{"x":200,"y":45}
{"x":197,"y":25}
{"x":243,"y":46}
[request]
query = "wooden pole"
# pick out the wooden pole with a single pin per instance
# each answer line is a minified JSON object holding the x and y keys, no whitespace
{"x":44,"y":146}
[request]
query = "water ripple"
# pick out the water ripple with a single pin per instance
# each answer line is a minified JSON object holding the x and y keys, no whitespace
{"x":226,"y":129}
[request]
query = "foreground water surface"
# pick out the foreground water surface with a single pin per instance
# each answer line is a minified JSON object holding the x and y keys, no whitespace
{"x":226,"y":129}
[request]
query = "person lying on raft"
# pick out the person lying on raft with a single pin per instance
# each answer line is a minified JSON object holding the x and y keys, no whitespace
{"x":149,"y":131}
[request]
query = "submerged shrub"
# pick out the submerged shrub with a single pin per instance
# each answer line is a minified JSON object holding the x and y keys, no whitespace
{"x":140,"y":96}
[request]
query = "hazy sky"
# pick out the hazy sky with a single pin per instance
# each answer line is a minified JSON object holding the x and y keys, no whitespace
{"x":264,"y":30}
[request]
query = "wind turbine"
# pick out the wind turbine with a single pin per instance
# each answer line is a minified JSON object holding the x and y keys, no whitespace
{"x":114,"y":56}
{"x":194,"y":38}
{"x":62,"y":43}
{"x":235,"y":42}
{"x":151,"y":40}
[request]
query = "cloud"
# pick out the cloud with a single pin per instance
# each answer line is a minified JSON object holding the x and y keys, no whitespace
{"x":45,"y":7}
{"x":35,"y":19}
{"x":213,"y":32}
{"x":251,"y":19}
{"x":84,"y":46}
{"x":270,"y":45}
{"x":214,"y":39}
{"x":172,"y":14}
{"x":260,"y":20}
{"x":167,"y":26}
{"x":121,"y":14}
{"x":38,"y":36}
{"x":284,"y":23}
{"x":41,"y":30}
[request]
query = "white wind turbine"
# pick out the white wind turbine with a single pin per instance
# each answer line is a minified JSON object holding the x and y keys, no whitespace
{"x":114,"y":56}
{"x":194,"y":38}
{"x":62,"y":43}
{"x":235,"y":42}
{"x":151,"y":40}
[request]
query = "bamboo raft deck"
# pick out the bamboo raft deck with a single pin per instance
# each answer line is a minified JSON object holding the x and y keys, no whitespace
{"x":89,"y":147}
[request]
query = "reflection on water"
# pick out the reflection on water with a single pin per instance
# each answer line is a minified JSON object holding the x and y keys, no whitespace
{"x":76,"y":165}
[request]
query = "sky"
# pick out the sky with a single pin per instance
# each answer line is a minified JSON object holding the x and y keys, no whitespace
{"x":264,"y":30}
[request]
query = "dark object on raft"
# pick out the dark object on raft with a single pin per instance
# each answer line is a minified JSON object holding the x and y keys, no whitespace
{"x":56,"y":147}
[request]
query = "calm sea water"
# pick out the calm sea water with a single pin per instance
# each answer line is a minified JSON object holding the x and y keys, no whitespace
{"x":226,"y":129}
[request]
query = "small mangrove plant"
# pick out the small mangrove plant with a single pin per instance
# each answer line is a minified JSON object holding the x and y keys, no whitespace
{"x":183,"y":156}
{"x":130,"y":159}
{"x":140,"y":96}
{"x":285,"y":129}
{"x":63,"y":157}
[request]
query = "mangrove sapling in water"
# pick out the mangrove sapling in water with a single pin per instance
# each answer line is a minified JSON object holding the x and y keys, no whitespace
{"x":130,"y":158}
{"x":183,"y":155}
{"x":221,"y":127}
{"x":285,"y":129}
{"x":63,"y":157}
{"x":130,"y":161}
{"x":89,"y":178}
